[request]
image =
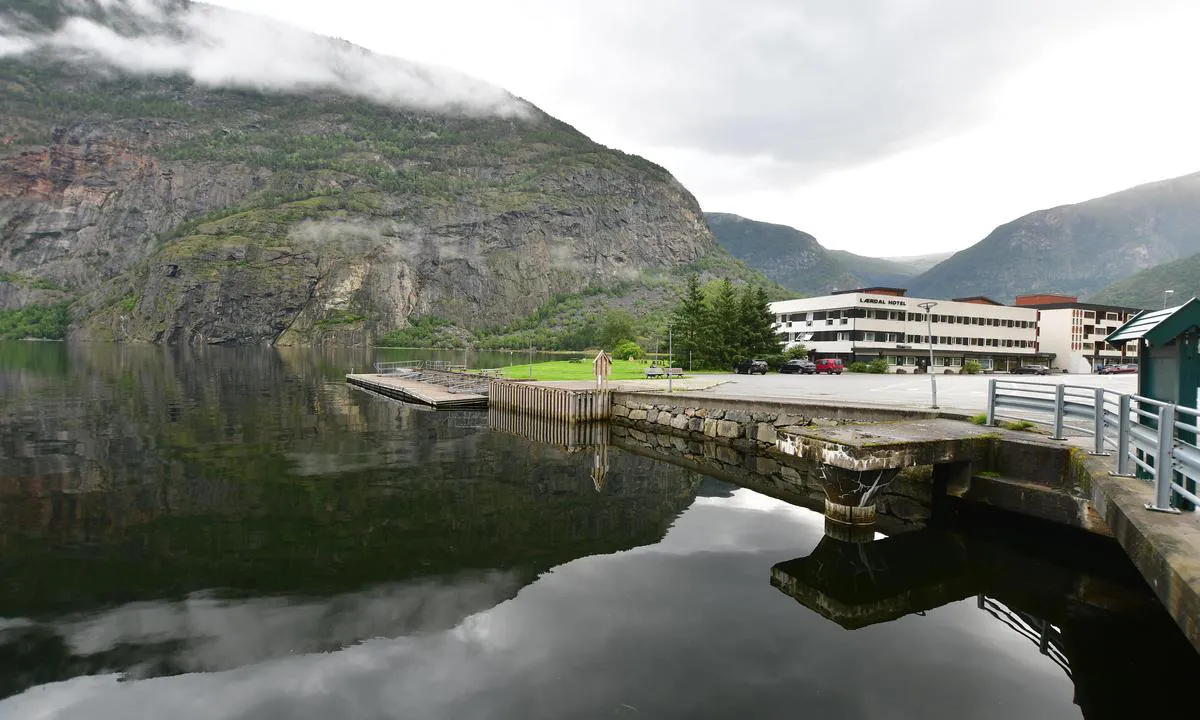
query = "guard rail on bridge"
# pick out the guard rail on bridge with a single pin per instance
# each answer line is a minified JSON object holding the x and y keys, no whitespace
{"x":1153,"y":440}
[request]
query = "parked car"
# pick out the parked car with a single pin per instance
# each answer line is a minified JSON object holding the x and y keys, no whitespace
{"x":831,"y":366}
{"x":1031,"y":370}
{"x":798,"y":366}
{"x":749,"y":367}
{"x":1122,"y":369}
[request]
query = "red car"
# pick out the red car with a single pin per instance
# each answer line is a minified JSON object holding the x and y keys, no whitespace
{"x":1124,"y":369}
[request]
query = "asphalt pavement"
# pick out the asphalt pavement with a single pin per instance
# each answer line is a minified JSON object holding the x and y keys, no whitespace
{"x":966,"y":393}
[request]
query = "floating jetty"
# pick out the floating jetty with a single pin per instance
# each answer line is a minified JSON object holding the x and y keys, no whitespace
{"x":420,"y":388}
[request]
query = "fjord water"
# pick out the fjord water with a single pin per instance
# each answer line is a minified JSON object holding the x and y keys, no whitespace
{"x":236,"y":533}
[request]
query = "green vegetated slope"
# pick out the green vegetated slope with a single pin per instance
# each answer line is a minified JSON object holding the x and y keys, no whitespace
{"x":1145,"y":289}
{"x":798,"y":262}
{"x":790,"y":257}
{"x":1076,"y":249}
{"x":172,"y":212}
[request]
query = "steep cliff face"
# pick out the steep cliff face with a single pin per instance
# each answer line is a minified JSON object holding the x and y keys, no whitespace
{"x":180,"y":213}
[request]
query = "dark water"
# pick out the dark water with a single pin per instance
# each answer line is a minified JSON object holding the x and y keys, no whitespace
{"x":226,"y":533}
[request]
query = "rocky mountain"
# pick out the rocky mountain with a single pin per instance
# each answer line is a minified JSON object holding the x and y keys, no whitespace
{"x":1146,"y":288}
{"x":795,"y":259}
{"x":252,"y":189}
{"x":1076,"y":249}
{"x":790,"y":257}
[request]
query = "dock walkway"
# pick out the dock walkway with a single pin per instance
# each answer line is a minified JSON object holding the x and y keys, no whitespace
{"x":410,"y":389}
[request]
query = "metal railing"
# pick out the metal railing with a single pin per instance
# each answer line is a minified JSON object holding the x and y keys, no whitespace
{"x":1153,"y":440}
{"x":453,"y":377}
{"x":1047,"y":636}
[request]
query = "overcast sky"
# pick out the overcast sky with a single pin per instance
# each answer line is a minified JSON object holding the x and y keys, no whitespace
{"x":884,"y":127}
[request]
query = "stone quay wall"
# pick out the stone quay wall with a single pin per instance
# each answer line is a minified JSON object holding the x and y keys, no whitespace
{"x":744,"y":424}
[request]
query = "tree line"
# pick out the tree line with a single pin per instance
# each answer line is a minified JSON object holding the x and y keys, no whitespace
{"x":719,"y":329}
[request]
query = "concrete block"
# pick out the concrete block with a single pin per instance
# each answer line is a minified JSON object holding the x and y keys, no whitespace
{"x":620,"y":411}
{"x":728,"y":429}
{"x":637,"y":414}
{"x":784,"y":420}
{"x":765,"y":433}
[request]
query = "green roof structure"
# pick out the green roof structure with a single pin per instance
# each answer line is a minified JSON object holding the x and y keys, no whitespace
{"x":1159,"y":327}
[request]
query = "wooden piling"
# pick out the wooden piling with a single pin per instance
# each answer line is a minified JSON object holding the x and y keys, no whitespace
{"x":571,"y":406}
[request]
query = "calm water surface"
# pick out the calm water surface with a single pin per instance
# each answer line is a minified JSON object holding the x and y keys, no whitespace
{"x":224,"y":533}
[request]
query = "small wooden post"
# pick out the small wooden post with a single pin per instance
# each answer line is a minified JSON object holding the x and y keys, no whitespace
{"x":602,"y":367}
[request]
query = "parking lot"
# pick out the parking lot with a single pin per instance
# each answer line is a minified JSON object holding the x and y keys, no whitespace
{"x":967,"y":393}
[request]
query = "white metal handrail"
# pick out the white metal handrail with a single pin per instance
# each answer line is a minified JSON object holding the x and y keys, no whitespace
{"x":1154,"y":440}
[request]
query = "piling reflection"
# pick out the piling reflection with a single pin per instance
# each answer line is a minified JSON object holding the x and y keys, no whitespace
{"x":570,"y":437}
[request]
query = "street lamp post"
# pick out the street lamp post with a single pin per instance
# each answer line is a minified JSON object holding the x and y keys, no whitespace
{"x":670,"y":355}
{"x":1165,"y":294}
{"x":928,"y":306}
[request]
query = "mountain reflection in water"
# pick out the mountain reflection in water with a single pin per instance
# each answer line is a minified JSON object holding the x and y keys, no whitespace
{"x":238,"y":534}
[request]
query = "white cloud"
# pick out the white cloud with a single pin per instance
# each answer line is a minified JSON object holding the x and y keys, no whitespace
{"x":223,"y":48}
{"x":867,"y":123}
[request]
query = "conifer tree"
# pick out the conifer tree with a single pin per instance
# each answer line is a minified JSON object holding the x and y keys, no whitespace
{"x":690,"y":321}
{"x":725,"y":345}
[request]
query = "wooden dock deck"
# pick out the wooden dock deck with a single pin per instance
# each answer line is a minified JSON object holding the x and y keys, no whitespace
{"x":410,"y":390}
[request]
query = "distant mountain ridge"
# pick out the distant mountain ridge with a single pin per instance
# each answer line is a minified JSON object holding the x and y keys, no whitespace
{"x":797,"y":261}
{"x":1076,"y":249}
{"x":1147,"y":289}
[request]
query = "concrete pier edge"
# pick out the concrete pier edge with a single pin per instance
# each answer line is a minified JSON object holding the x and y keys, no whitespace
{"x":1164,"y":548}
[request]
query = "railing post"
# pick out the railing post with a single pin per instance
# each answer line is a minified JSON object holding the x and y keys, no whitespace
{"x":1163,"y":457}
{"x":1098,"y":449}
{"x":1060,"y":408}
{"x":991,"y":402}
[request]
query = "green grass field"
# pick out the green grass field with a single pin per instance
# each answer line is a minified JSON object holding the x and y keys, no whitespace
{"x":567,"y":370}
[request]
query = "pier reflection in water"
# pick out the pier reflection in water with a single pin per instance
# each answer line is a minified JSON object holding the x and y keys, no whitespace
{"x":1075,"y":596}
{"x":238,"y":534}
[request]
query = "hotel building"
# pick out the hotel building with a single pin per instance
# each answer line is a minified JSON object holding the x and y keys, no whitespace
{"x":878,"y":322}
{"x":1073,"y":333}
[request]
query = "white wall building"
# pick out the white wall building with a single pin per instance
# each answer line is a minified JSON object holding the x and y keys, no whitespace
{"x":1074,"y":332}
{"x":865,"y":324}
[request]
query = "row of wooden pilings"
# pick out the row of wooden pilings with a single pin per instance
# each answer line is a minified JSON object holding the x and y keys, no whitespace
{"x":548,"y":402}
